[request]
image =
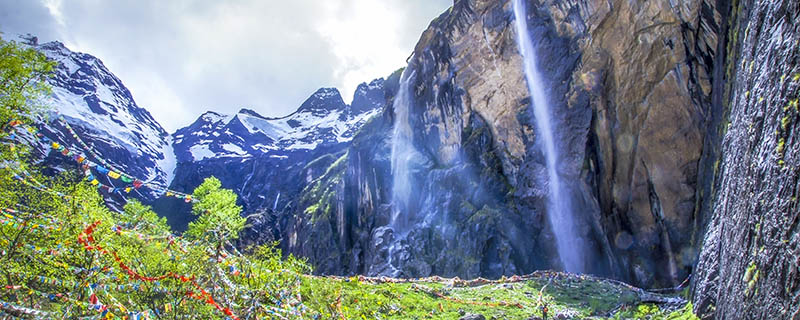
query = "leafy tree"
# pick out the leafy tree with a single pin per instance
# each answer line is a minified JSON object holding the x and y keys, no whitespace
{"x":142,"y":216}
{"x":219,"y":217}
{"x":23,"y":72}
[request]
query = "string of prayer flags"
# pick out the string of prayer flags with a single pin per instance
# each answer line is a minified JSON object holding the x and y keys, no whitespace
{"x":27,"y":178}
{"x":103,"y":168}
{"x":116,"y":172}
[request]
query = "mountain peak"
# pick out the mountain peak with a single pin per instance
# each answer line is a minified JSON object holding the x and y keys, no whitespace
{"x":323,"y":100}
{"x":325,"y":93}
{"x":368,"y":95}
{"x":211,"y":116}
{"x":250,"y":112}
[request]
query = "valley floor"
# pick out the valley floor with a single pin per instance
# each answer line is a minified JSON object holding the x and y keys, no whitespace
{"x":560,"y":295}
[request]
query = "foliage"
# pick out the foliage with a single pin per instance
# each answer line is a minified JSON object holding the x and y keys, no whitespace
{"x":42,"y":257}
{"x":653,"y":312}
{"x":220,"y":217}
{"x":22,"y":74}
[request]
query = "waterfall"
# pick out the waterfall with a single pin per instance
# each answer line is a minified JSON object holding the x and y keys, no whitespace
{"x":403,"y":151}
{"x":559,"y":209}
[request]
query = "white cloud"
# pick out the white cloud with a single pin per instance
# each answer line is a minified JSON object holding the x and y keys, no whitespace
{"x":180,"y":58}
{"x":364,"y":38}
{"x":54,"y":7}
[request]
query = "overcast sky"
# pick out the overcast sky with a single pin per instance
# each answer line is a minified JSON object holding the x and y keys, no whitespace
{"x":180,"y":58}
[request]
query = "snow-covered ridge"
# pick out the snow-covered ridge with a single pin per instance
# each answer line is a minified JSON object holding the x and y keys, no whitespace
{"x":322,"y":120}
{"x":103,"y":112}
{"x":97,"y":104}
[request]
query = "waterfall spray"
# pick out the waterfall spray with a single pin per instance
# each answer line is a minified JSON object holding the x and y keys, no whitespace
{"x":559,"y":209}
{"x":403,"y":151}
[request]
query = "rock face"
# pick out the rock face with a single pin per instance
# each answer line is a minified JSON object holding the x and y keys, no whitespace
{"x":631,"y":90}
{"x":748,"y":267}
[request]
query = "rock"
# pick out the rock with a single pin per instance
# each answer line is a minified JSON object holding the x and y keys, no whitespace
{"x":747,"y":267}
{"x":473,"y":317}
{"x":630,"y":90}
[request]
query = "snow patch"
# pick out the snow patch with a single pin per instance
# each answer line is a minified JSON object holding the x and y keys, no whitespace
{"x":201,"y":151}
{"x":169,"y":162}
{"x":271,"y":129}
{"x":230,"y":147}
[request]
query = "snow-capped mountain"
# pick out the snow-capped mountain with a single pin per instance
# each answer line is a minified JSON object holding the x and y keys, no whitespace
{"x":102,"y":111}
{"x":267,"y":161}
{"x":323,"y":120}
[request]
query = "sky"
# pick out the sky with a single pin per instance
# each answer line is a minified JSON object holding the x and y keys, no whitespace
{"x":180,"y":58}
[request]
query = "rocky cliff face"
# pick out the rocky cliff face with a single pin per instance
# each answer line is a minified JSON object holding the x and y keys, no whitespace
{"x":748,"y":267}
{"x":631,"y":88}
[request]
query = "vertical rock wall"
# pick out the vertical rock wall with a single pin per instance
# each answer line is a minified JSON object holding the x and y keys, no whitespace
{"x":631,"y":84}
{"x":748,"y":267}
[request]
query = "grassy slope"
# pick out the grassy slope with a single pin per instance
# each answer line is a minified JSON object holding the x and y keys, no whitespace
{"x":566,"y":296}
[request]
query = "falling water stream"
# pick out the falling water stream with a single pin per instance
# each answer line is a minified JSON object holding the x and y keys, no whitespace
{"x":403,"y":151}
{"x":559,"y":209}
{"x":403,"y":155}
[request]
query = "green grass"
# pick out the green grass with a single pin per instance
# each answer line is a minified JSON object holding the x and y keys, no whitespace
{"x":653,"y":312}
{"x":567,"y":295}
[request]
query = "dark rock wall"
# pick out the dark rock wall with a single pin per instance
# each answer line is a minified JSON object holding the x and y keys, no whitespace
{"x":748,"y":267}
{"x":631,"y":87}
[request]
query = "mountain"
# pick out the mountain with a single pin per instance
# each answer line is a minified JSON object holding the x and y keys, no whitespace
{"x":675,"y":125}
{"x":322,"y":121}
{"x":630,"y":120}
{"x":250,"y":153}
{"x":267,"y":160}
{"x":104,"y":115}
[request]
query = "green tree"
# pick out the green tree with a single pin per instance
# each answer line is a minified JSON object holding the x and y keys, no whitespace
{"x":219,"y":217}
{"x":23,"y":72}
{"x":140,"y":215}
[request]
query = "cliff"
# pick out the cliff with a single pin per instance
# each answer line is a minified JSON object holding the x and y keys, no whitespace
{"x":631,"y":86}
{"x":748,"y":266}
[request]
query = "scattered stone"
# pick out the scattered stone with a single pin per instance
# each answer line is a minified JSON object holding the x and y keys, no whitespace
{"x":473,"y":317}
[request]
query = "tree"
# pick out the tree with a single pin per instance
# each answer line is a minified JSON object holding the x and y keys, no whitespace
{"x":23,"y":72}
{"x":219,"y":219}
